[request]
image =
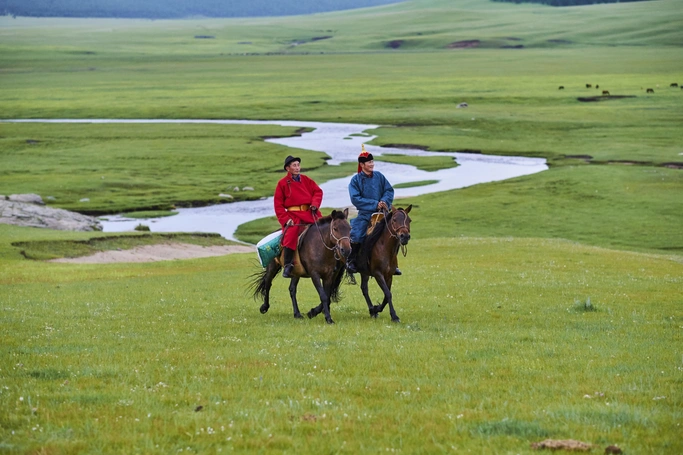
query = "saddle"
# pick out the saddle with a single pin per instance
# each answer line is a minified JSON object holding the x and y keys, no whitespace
{"x":298,"y":269}
{"x":374,"y":219}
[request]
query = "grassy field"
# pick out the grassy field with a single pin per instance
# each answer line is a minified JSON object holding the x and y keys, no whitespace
{"x":121,"y":168}
{"x":547,"y":306}
{"x":519,"y":340}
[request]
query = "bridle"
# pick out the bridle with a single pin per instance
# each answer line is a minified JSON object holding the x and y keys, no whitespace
{"x":402,"y":229}
{"x":337,"y":247}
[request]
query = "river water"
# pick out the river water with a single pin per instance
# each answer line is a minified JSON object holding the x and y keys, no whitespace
{"x":335,"y":140}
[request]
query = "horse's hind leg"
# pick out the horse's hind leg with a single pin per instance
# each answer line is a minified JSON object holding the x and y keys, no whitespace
{"x":292,"y":293}
{"x":313,"y":312}
{"x":364,"y":287}
{"x":271,"y":272}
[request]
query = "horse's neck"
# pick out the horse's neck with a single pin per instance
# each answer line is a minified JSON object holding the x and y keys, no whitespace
{"x":387,"y":243}
{"x":317,"y":234}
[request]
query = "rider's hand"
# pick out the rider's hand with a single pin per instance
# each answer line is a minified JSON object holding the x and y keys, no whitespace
{"x":314,"y":208}
{"x":289,"y":222}
{"x":382,"y":206}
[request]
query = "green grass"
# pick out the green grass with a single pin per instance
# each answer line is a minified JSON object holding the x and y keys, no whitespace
{"x":423,"y":163}
{"x":546,"y":306}
{"x":118,"y":357}
{"x":124,"y":167}
{"x":254,"y":231}
{"x":637,"y":208}
{"x":413,"y":184}
{"x":616,"y":206}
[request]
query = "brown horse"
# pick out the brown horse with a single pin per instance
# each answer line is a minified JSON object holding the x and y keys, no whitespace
{"x":321,"y":256}
{"x":378,"y":258}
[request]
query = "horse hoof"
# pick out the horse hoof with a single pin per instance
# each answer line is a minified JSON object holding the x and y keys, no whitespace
{"x":397,"y":320}
{"x":264,"y":309}
{"x":329,"y":321}
{"x":310,"y":314}
{"x":298,"y":316}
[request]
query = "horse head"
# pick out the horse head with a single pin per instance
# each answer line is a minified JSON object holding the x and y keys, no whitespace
{"x":340,"y":232}
{"x":399,"y":224}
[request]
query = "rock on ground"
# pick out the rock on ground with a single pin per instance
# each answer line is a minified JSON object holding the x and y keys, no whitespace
{"x":27,"y":198}
{"x":32,"y":215}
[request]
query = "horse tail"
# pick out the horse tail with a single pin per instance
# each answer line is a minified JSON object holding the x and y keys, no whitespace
{"x":259,"y":281}
{"x":335,"y":293}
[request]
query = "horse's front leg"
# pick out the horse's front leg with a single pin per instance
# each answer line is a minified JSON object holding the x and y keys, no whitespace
{"x":292,"y":293}
{"x":324,"y":298}
{"x":327,"y":288}
{"x":385,"y":284}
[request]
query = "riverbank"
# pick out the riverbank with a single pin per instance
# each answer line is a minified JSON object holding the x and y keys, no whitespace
{"x":333,"y":144}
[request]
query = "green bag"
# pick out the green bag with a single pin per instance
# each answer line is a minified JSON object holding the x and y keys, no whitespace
{"x":268,"y":248}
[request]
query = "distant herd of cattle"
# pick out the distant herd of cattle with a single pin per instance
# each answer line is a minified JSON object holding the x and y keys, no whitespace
{"x":606,"y":93}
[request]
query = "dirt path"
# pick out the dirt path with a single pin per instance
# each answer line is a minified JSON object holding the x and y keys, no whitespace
{"x":160,"y":252}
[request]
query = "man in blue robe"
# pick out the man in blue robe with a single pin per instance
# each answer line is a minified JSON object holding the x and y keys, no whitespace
{"x":370,"y":192}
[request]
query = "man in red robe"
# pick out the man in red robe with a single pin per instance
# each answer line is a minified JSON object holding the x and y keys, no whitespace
{"x":297,"y":199}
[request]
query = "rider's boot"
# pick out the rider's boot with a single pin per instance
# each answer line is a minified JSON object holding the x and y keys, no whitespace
{"x":398,"y":271}
{"x":351,"y":261}
{"x":289,"y":263}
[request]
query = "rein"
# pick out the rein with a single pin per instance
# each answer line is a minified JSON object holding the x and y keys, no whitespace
{"x":404,"y":248}
{"x":336,"y":247}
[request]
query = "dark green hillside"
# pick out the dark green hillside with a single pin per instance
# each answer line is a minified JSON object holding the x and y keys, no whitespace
{"x":167,"y":9}
{"x":569,"y":2}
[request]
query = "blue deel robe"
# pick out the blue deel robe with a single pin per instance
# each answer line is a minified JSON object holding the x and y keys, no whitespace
{"x":366,"y":192}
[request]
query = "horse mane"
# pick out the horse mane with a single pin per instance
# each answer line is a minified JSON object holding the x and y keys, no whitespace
{"x":370,"y":240}
{"x":335,"y":215}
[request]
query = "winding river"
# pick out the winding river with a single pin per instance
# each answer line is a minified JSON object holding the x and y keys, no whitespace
{"x":342,"y":142}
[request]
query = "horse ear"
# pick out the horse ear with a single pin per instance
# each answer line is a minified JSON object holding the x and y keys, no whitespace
{"x":334,"y":212}
{"x":408,"y":209}
{"x":346,"y":213}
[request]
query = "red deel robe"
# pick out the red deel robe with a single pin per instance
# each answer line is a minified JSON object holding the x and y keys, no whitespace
{"x":290,"y":193}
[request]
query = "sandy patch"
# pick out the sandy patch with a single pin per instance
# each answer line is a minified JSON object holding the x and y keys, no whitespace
{"x":159,"y":252}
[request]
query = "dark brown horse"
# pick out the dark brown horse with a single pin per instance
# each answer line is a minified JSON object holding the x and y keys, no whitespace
{"x":321,"y":257}
{"x":378,"y":257}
